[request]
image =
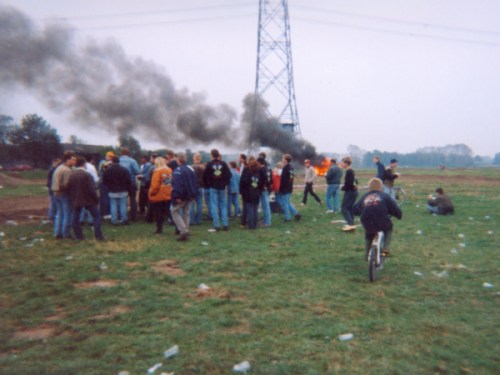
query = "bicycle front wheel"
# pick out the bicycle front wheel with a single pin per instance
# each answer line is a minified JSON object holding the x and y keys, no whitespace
{"x":372,"y":263}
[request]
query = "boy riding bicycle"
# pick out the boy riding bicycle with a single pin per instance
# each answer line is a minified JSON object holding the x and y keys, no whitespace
{"x":376,"y":209}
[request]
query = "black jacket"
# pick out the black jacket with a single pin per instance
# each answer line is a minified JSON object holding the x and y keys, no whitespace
{"x":252,"y":184}
{"x":376,"y":209}
{"x":286,"y":181}
{"x":216,"y":175}
{"x":116,"y":178}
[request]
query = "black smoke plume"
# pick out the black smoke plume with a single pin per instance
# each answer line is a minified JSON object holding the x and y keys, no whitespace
{"x":265,"y":130}
{"x":99,"y":85}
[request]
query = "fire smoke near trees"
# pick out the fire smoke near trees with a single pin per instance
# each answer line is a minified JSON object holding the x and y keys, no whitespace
{"x":98,"y":85}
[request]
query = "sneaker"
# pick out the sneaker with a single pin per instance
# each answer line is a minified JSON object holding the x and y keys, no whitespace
{"x":330,"y":211}
{"x":183,"y":237}
{"x":348,"y":228}
{"x":302,"y":204}
{"x":225,"y":228}
{"x":298,"y":217}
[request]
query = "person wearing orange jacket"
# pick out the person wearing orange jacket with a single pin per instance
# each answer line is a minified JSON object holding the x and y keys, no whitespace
{"x":160,"y":193}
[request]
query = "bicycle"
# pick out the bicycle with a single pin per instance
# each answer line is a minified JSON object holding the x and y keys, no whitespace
{"x":401,"y":195}
{"x":375,"y":257}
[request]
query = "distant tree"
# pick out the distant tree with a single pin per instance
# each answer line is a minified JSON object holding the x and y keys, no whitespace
{"x":132,"y":144}
{"x":74,"y":140}
{"x":37,"y":140}
{"x":6,"y":127}
{"x":496,"y":159}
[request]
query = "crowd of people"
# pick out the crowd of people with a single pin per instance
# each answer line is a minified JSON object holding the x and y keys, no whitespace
{"x":171,"y":189}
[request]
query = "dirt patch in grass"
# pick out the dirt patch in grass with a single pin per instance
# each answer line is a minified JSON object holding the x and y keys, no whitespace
{"x":23,"y":208}
{"x":113,"y":312}
{"x":241,"y":329}
{"x":168,"y":267}
{"x":132,"y":264}
{"x":96,"y":284}
{"x":42,"y":332}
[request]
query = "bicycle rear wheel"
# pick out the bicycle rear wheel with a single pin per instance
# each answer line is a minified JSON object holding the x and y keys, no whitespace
{"x":400,"y":195}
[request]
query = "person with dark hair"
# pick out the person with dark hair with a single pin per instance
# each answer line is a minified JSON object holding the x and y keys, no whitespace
{"x":310,"y":175}
{"x":440,"y":204}
{"x":117,"y":179}
{"x":52,"y":204}
{"x":171,"y":160}
{"x":133,"y":169}
{"x":216,"y":177}
{"x":233,"y":191}
{"x":376,"y":209}
{"x":243,"y":218}
{"x":197,"y":207}
{"x":286,"y":189}
{"x":389,"y":177}
{"x":91,"y":169}
{"x":380,"y":167}
{"x":64,"y":213}
{"x":184,"y":191}
{"x":266,"y":170}
{"x":103,"y":189}
{"x":83,"y":195}
{"x":333,"y":177}
{"x":143,"y":191}
{"x":350,"y":193}
{"x":252,"y":184}
{"x":160,"y":193}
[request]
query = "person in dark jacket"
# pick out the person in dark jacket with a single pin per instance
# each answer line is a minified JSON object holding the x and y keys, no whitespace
{"x":83,"y":195}
{"x":216,"y":177}
{"x":333,"y":177}
{"x":389,"y":177}
{"x":117,"y":180}
{"x":286,"y":189}
{"x":268,"y":188}
{"x":183,"y":195}
{"x":380,"y":167}
{"x":350,"y":193}
{"x":376,"y":209}
{"x":252,"y":184}
{"x":52,"y":205}
{"x":440,"y":204}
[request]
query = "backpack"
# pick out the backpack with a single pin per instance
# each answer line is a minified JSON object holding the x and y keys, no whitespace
{"x":190,"y":183}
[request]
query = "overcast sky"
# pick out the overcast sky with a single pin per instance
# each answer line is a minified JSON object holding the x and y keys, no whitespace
{"x":389,"y":75}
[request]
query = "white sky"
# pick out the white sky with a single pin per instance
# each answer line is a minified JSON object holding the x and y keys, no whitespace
{"x":390,"y":75}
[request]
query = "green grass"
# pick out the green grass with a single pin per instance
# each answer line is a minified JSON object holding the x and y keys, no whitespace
{"x":281,"y":298}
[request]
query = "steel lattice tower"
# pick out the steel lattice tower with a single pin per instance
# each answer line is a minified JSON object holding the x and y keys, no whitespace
{"x":274,"y":79}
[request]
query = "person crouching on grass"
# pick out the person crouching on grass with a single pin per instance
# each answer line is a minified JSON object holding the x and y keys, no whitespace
{"x":376,"y":209}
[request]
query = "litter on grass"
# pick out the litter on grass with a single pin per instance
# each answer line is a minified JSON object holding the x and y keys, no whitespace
{"x":487,"y":217}
{"x":471,"y":218}
{"x":288,"y":232}
{"x":124,"y":373}
{"x":153,"y":369}
{"x":346,"y":337}
{"x":203,"y":286}
{"x":339,"y":222}
{"x":212,"y":230}
{"x":11,"y":222}
{"x":418,"y":273}
{"x":462,"y":245}
{"x":103,"y":266}
{"x":172,"y":352}
{"x":454,"y":251}
{"x":490,"y":232}
{"x":461,"y":235}
{"x":419,"y":231}
{"x":442,"y":274}
{"x":242,"y":367}
{"x":487,"y":285}
{"x":204,"y":243}
{"x":2,"y":234}
{"x":69,"y":257}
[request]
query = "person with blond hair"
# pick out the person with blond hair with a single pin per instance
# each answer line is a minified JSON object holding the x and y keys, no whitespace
{"x":160,"y":193}
{"x":376,"y":209}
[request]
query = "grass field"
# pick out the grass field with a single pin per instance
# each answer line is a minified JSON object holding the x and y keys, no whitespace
{"x":278,"y":297}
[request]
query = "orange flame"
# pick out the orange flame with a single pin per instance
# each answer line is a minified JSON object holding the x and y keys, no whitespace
{"x":323,"y":167}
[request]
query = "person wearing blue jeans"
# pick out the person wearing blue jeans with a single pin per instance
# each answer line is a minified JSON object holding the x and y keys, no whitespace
{"x":350,"y":193}
{"x":286,"y":189}
{"x":216,"y":178}
{"x":333,"y":177}
{"x":233,"y":191}
{"x":59,"y":186}
{"x":117,"y":179}
{"x":268,"y":187}
{"x":196,"y":214}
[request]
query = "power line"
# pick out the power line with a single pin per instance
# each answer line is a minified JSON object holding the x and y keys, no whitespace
{"x":151,"y":12}
{"x":399,"y":21}
{"x":396,"y":32}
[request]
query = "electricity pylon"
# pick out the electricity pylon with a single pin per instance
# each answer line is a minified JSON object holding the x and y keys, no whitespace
{"x":274,"y":79}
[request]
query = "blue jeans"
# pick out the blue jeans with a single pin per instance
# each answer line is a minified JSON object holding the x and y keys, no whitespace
{"x":85,"y":215}
{"x":278,"y":199}
{"x":52,"y":207}
{"x":206,"y":194}
{"x":252,"y":215}
{"x":218,"y":207}
{"x":333,"y":191}
{"x":64,"y":216}
{"x":118,"y":204}
{"x":390,"y":191}
{"x":433,"y":209}
{"x":266,"y":208}
{"x":233,"y":201}
{"x":287,"y":206}
{"x":197,"y":208}
{"x":347,"y":206}
{"x":77,"y":227}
